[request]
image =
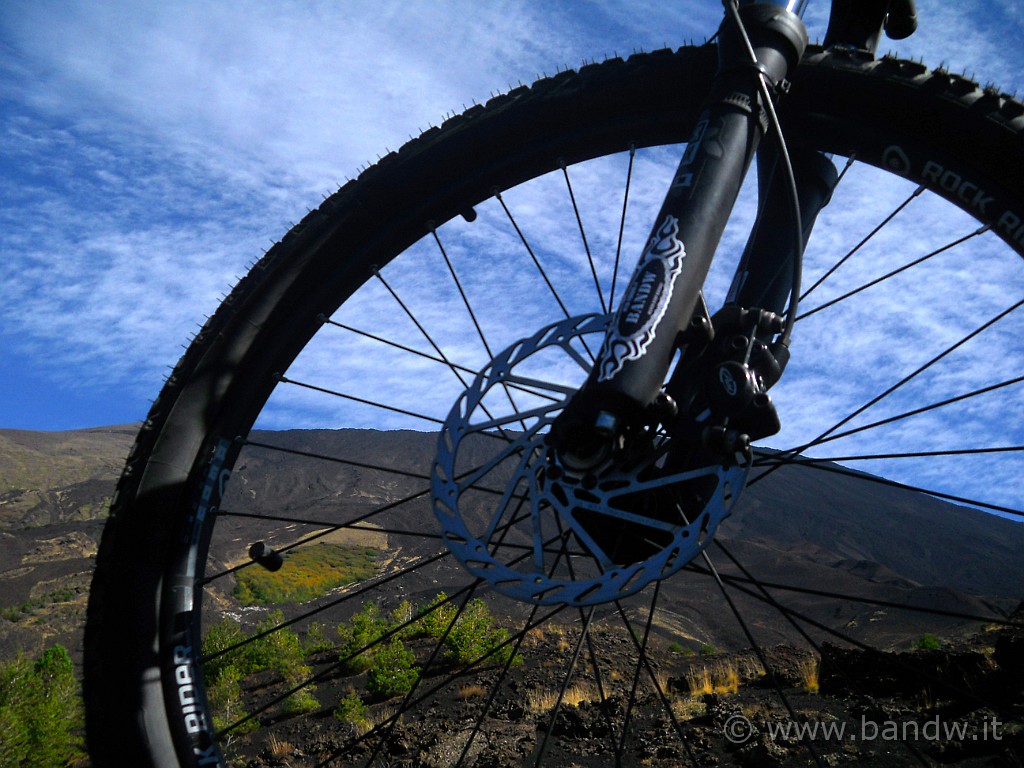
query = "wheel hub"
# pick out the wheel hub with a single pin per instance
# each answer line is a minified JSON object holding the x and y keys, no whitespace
{"x":543,"y":531}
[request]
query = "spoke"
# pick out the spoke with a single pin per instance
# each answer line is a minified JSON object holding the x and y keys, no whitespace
{"x":878,"y":602}
{"x":319,"y":535}
{"x":517,"y":638}
{"x":583,"y":237}
{"x":430,"y":340}
{"x":329,"y":670}
{"x":333,"y":459}
{"x":451,"y":366}
{"x":542,"y":749}
{"x":376,"y":584}
{"x":760,"y":653}
{"x":629,"y":517}
{"x":338,"y":526}
{"x":394,"y":409}
{"x":529,"y":250}
{"x":892,"y":484}
{"x":419,"y":353}
{"x":323,"y":674}
{"x":853,"y":685}
{"x":674,"y":479}
{"x":334,"y":526}
{"x":494,"y":690}
{"x":380,"y":339}
{"x":591,"y":650}
{"x":462,"y":292}
{"x":538,"y":384}
{"x":923,"y":409}
{"x":909,"y":377}
{"x":470,"y":478}
{"x":924,"y":674}
{"x":643,"y":659}
{"x":894,"y":272}
{"x":508,"y":663}
{"x":622,"y":225}
{"x":429,"y":664}
{"x":469,"y":308}
{"x":803,"y":460}
{"x":870,"y":235}
{"x":508,"y":495}
{"x":481,"y":427}
{"x":849,"y":162}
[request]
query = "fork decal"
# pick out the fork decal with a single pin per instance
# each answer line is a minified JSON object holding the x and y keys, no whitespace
{"x":645,"y":301}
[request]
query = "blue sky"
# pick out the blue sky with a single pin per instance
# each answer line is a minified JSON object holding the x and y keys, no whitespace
{"x":149,"y":151}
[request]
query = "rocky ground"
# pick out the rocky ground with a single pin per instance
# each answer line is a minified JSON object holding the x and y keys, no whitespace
{"x":961,"y":705}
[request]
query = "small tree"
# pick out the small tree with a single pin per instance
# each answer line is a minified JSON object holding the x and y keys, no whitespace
{"x":393,"y":671}
{"x":359,"y":635}
{"x":354,"y":712}
{"x":436,"y":615}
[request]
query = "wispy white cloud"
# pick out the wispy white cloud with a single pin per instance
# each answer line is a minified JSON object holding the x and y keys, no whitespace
{"x":150,"y":150}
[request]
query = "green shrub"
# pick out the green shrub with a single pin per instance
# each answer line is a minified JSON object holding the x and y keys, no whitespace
{"x":225,"y":696}
{"x":303,"y":700}
{"x":929,"y":642}
{"x":40,"y":711}
{"x":363,"y":630}
{"x":708,"y":650}
{"x":675,"y":647}
{"x":403,"y":613}
{"x":393,"y":670}
{"x":353,"y":711}
{"x":474,"y":636}
{"x":315,"y":639}
{"x":434,"y":623}
{"x":280,"y":651}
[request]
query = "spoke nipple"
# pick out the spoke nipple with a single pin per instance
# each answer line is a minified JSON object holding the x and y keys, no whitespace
{"x":267,"y":556}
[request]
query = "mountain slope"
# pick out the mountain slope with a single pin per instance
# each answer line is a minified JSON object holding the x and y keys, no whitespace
{"x":798,"y":526}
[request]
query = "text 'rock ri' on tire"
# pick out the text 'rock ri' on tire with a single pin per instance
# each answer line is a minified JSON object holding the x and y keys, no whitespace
{"x":383,"y":380}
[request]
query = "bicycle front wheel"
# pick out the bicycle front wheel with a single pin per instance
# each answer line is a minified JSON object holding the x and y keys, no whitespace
{"x":492,"y":244}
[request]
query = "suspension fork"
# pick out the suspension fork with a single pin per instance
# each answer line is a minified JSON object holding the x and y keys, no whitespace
{"x":664,"y":293}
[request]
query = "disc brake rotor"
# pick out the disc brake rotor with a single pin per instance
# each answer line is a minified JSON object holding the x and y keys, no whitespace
{"x":514,"y":517}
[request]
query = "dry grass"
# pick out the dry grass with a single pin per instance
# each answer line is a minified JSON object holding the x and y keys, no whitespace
{"x":471,"y":692}
{"x":721,"y":678}
{"x":751,"y":669}
{"x":538,"y":702}
{"x":809,"y":669}
{"x":279,"y":749}
{"x":381,"y":716}
{"x":661,"y":680}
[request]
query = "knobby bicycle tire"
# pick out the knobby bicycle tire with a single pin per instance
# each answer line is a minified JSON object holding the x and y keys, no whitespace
{"x":893,"y":114}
